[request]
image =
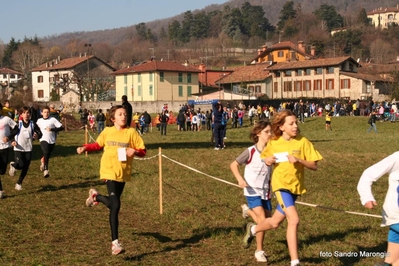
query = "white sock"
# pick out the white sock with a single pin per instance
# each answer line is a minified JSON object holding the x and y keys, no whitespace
{"x":294,"y":262}
{"x":253,"y":232}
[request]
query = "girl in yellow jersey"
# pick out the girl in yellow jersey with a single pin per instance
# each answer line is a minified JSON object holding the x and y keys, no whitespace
{"x":290,"y":153}
{"x":120,"y":145}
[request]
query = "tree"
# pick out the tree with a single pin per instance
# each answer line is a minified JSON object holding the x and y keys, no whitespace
{"x":362,"y":17}
{"x":10,"y":48}
{"x":141,"y":31}
{"x":175,"y":31}
{"x":26,"y":57}
{"x":328,"y":14}
{"x":254,"y":22}
{"x":186,"y":26}
{"x":287,"y":13}
{"x":200,"y":27}
{"x":232,"y":22}
{"x":163,"y":34}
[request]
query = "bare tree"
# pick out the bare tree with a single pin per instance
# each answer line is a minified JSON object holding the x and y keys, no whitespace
{"x":381,"y":51}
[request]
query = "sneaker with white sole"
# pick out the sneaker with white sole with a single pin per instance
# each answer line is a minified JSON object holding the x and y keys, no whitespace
{"x":116,"y":247}
{"x":46,"y":174}
{"x":1,"y":194}
{"x":245,"y":209}
{"x":12,"y":169}
{"x":248,"y":235}
{"x":18,"y":187}
{"x":260,"y":256}
{"x":90,"y":200}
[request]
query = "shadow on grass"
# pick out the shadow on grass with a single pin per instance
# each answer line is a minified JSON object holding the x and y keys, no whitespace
{"x":85,"y":184}
{"x":198,"y":236}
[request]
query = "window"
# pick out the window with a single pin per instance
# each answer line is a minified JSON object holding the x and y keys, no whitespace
{"x":275,"y":87}
{"x":39,"y":79}
{"x":345,"y":83}
{"x":139,"y":77}
{"x":287,"y":86}
{"x":317,"y":85}
{"x":139,"y":92}
{"x":307,"y":72}
{"x":40,"y":93}
{"x":4,"y":76}
{"x":277,"y":74}
{"x":330,"y":70}
{"x":188,"y":77}
{"x":188,"y":90}
{"x":350,"y":67}
{"x":150,"y":76}
{"x":180,"y":91}
{"x":180,"y":77}
{"x":297,"y":85}
{"x":319,"y":70}
{"x":329,"y":84}
{"x":125,"y":79}
{"x":150,"y":90}
{"x":258,"y":89}
{"x":12,"y":76}
{"x":307,"y":85}
{"x":299,"y":72}
{"x":288,"y":73}
{"x":280,"y":54}
{"x":161,"y":76}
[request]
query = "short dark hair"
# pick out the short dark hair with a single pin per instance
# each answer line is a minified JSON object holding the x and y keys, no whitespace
{"x":124,"y":98}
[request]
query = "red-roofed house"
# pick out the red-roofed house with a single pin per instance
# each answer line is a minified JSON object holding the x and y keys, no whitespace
{"x":8,"y":76}
{"x":59,"y":76}
{"x":283,"y":52}
{"x":384,"y":16}
{"x":157,"y":81}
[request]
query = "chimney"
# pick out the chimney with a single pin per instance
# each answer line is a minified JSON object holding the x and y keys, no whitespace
{"x":202,"y":67}
{"x":301,"y":48}
{"x":47,"y":64}
{"x":313,"y":50}
{"x":59,"y":59}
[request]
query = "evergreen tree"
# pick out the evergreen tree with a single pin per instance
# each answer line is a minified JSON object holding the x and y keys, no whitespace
{"x":287,"y":13}
{"x":328,"y":14}
{"x":7,"y":57}
{"x":362,"y":17}
{"x":174,"y":31}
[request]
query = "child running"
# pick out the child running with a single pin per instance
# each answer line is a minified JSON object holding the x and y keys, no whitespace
{"x":292,"y":153}
{"x":49,"y":127}
{"x":390,"y":210}
{"x":23,"y":145}
{"x":8,"y":130}
{"x":328,"y":120}
{"x":256,"y":182}
{"x":120,"y":145}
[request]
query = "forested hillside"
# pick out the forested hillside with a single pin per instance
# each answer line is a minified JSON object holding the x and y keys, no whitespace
{"x":204,"y":35}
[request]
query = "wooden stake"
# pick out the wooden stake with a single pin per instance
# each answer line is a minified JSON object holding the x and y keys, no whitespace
{"x":160,"y":180}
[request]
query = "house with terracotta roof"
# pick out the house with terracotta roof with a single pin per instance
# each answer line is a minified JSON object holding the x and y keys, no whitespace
{"x":80,"y":74}
{"x":158,"y":81}
{"x":283,"y":52}
{"x":245,"y":83}
{"x":336,"y":77}
{"x":384,"y":17}
{"x":9,"y":76}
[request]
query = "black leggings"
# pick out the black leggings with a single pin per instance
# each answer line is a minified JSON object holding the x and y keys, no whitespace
{"x":47,"y":150}
{"x":22,"y":162}
{"x":3,"y":163}
{"x":113,"y":202}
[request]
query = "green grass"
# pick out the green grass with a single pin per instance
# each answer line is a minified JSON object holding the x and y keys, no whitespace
{"x":47,"y":222}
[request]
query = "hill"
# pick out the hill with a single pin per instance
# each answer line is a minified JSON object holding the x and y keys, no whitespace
{"x":272,"y":9}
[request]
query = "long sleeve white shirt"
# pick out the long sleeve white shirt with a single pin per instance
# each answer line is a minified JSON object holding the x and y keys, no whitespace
{"x":389,"y":165}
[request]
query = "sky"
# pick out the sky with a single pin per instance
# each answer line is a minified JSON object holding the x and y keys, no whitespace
{"x":41,"y":18}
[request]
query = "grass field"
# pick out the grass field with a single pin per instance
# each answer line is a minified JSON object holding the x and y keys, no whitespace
{"x":47,"y":222}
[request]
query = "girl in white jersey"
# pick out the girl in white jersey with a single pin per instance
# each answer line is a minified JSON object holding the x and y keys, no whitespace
{"x":390,"y":208}
{"x":49,"y":127}
{"x":8,"y":129}
{"x":256,"y":182}
{"x":23,"y":145}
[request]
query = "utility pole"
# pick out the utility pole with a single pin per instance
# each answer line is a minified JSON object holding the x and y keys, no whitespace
{"x":87,"y":45}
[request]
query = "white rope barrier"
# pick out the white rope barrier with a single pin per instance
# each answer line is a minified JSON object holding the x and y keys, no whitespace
{"x":147,"y":158}
{"x":91,"y":138}
{"x":299,"y":202}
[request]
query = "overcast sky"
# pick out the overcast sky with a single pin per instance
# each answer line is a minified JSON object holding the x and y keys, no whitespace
{"x":44,"y":17}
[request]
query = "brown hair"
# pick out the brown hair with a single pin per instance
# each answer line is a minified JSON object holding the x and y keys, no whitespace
{"x":24,"y":109}
{"x":278,"y":121}
{"x":257,"y":128}
{"x":112,"y":112}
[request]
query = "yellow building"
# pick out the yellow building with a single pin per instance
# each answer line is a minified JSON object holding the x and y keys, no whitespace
{"x":283,"y":52}
{"x":157,"y":81}
{"x":384,"y":17}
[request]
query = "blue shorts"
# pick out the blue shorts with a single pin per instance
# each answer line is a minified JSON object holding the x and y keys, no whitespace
{"x":257,"y":201}
{"x":393,"y":234}
{"x":285,"y":199}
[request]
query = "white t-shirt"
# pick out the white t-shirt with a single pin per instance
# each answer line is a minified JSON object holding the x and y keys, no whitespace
{"x":6,"y":124}
{"x":389,"y":165}
{"x":256,"y":173}
{"x":24,"y":137}
{"x":43,"y":124}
